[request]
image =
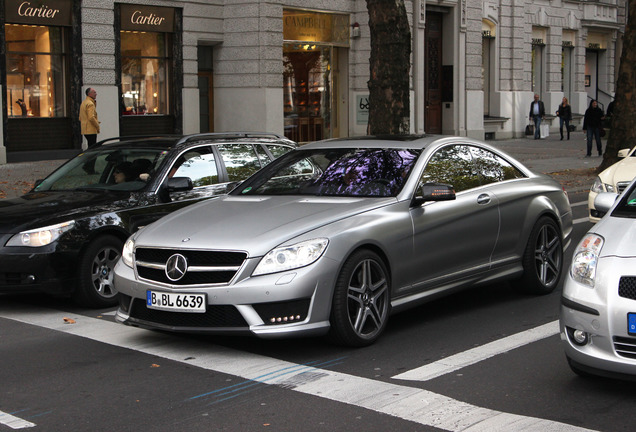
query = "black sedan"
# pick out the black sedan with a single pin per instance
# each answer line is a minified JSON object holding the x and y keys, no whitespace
{"x":65,"y":235}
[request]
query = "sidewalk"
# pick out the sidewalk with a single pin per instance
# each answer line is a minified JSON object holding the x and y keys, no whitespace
{"x":564,"y":160}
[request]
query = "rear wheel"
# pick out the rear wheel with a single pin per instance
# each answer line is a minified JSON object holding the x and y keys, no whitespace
{"x":543,"y":258}
{"x":95,"y":287}
{"x":361,"y":299}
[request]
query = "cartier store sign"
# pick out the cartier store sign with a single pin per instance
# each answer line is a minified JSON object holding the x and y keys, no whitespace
{"x":147,"y":18}
{"x":38,"y":12}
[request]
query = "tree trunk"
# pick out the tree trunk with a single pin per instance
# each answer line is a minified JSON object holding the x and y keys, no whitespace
{"x":390,"y":63}
{"x":623,"y":133}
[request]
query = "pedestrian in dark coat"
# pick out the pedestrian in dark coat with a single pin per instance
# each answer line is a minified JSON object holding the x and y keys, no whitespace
{"x":592,"y":123}
{"x":565,"y":116}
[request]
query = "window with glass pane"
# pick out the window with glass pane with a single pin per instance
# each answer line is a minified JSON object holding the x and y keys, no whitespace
{"x":240,"y":161}
{"x":145,"y":72}
{"x":36,"y":71}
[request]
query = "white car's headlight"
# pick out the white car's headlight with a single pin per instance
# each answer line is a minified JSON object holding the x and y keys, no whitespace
{"x":127,"y":253}
{"x":291,"y":257}
{"x":40,"y":236}
{"x":598,"y":186}
{"x":585,"y":261}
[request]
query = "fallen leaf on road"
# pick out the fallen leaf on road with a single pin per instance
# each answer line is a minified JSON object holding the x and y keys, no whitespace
{"x":154,"y":365}
{"x":69,"y":321}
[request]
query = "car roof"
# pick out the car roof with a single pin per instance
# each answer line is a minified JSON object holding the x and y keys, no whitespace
{"x":413,"y":142}
{"x":184,"y":141}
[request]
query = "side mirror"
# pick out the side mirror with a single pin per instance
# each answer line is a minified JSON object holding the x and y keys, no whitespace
{"x":623,"y":153}
{"x":604,"y":201}
{"x":179,"y":184}
{"x":434,"y":192}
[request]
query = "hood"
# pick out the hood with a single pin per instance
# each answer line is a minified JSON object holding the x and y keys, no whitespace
{"x":619,"y":235}
{"x":38,"y":209}
{"x":251,"y":224}
{"x":624,"y":170}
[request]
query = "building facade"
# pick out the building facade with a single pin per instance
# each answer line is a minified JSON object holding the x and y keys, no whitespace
{"x":280,"y":66}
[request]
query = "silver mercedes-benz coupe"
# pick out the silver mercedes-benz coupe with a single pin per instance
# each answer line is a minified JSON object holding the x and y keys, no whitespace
{"x":336,"y":235}
{"x":598,"y":305}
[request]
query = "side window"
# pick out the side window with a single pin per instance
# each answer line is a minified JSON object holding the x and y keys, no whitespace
{"x":199,"y":165}
{"x":241,"y":161}
{"x":492,"y":168}
{"x":452,"y":165}
{"x":277,"y":150}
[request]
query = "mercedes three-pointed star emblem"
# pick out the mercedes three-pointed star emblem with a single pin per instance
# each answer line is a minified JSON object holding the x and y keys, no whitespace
{"x":176,"y":267}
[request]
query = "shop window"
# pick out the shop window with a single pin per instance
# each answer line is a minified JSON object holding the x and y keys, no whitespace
{"x":145,"y":72}
{"x":36,"y":71}
{"x":307,"y":91}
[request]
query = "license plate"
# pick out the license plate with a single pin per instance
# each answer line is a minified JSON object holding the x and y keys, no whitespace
{"x":176,"y":302}
{"x":631,"y":324}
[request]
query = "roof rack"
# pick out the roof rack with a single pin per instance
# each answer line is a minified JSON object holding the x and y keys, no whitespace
{"x":221,"y":135}
{"x":132,"y":137}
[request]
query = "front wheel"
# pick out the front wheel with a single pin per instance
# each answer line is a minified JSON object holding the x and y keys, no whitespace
{"x":360,"y":308}
{"x":543,"y":258}
{"x":95,"y":285}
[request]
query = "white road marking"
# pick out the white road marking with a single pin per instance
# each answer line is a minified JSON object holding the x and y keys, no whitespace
{"x":14,"y":422}
{"x":408,"y":403}
{"x":475,"y":355}
{"x":582,"y":220}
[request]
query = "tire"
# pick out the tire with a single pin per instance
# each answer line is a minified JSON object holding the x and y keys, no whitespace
{"x":543,"y":258}
{"x":96,"y":265}
{"x":361,"y":301}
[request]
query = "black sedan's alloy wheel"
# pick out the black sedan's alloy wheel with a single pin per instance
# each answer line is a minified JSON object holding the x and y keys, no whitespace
{"x":361,"y":300}
{"x":95,"y":287}
{"x":543,"y":258}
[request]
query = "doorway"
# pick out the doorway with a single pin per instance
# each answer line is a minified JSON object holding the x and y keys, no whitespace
{"x":433,"y":73}
{"x":206,"y":89}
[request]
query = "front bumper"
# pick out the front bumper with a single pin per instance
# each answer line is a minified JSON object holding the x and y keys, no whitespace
{"x":30,"y":270}
{"x":291,"y":303}
{"x":601,"y":313}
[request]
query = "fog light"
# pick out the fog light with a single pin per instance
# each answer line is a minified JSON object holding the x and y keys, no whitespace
{"x":579,"y":337}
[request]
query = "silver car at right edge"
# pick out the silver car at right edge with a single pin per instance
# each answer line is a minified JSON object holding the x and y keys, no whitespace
{"x":598,"y":305}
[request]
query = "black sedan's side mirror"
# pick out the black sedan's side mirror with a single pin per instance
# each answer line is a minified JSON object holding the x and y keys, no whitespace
{"x":434,"y":192}
{"x":179,"y":184}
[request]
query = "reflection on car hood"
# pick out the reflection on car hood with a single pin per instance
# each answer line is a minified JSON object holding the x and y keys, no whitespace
{"x":253,"y":224}
{"x":619,"y":235}
{"x":37,"y":209}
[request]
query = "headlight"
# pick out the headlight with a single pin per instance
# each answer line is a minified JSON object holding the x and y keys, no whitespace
{"x":291,"y":257}
{"x":40,"y":236}
{"x":127,"y":253}
{"x":585,"y":261}
{"x":598,"y":186}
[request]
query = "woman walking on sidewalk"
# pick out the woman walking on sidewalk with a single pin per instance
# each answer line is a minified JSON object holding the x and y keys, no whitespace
{"x":592,"y":123}
{"x":565,"y":115}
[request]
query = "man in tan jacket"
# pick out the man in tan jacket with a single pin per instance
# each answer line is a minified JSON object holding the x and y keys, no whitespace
{"x":88,"y":117}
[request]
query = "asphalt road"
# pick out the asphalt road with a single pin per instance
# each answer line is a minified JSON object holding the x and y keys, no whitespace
{"x":482,"y":360}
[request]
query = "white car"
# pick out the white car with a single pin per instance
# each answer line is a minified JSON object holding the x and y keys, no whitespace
{"x":598,"y":304}
{"x":613,"y":179}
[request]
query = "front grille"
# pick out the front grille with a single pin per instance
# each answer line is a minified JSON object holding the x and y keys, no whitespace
{"x":216,"y":316}
{"x":204,"y":267}
{"x":627,"y":287}
{"x":625,"y":347}
{"x":621,"y":186}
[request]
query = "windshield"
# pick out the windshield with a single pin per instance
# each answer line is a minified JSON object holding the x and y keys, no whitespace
{"x":108,"y":169}
{"x":334,"y":172}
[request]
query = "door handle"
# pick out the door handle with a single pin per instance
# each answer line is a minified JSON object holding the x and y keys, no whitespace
{"x":483,"y":199}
